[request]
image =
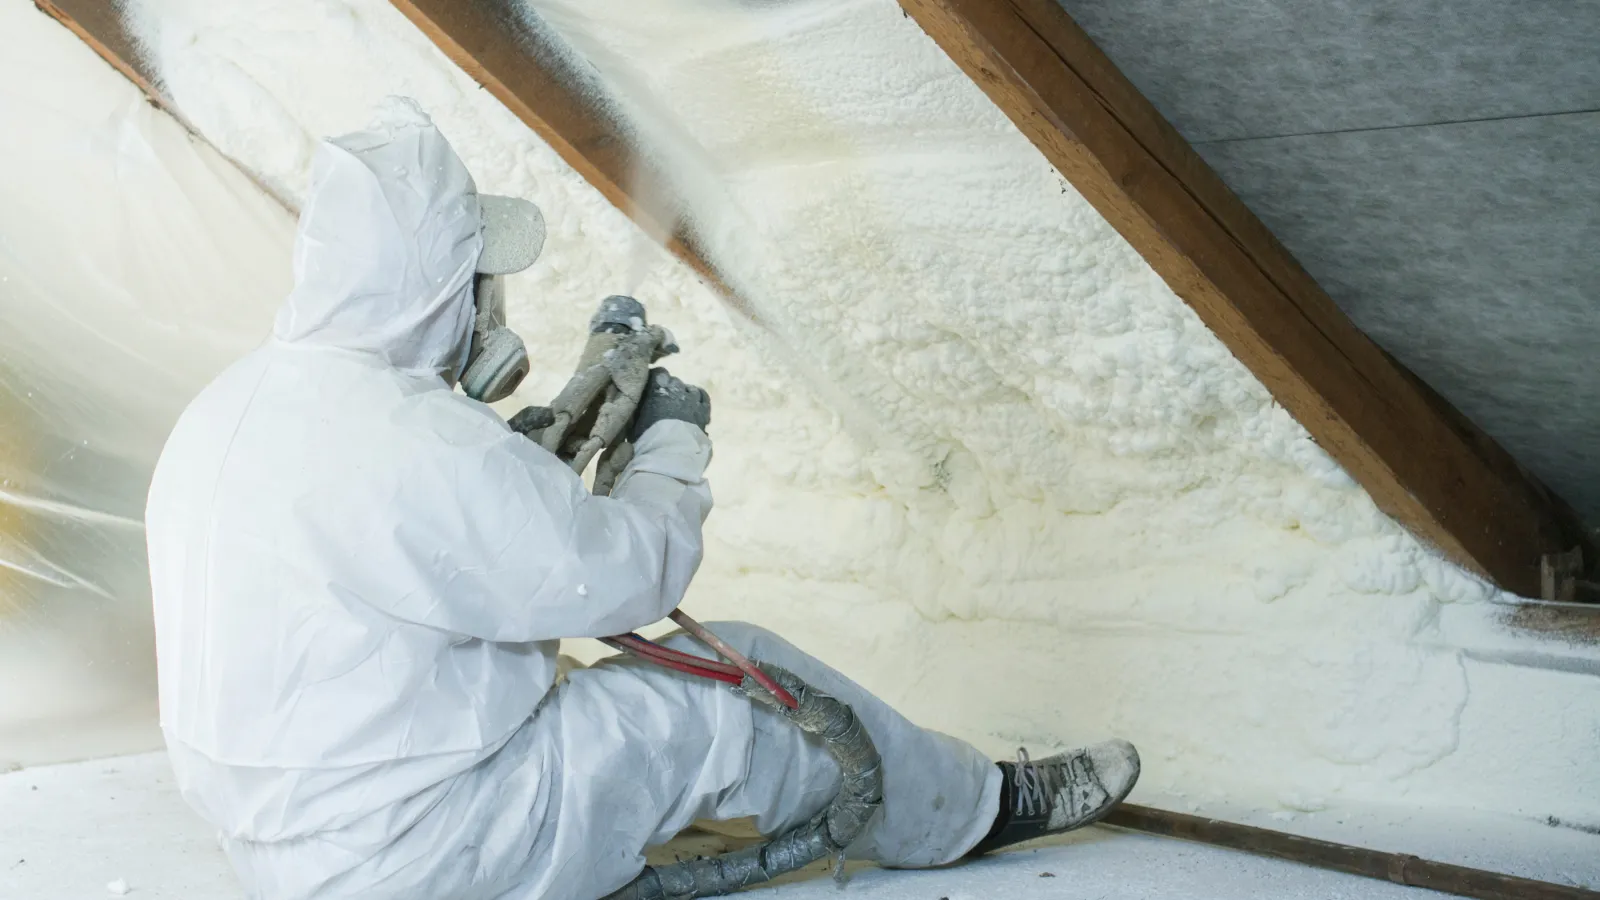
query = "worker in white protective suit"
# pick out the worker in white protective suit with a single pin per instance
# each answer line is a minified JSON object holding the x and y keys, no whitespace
{"x":361,"y":576}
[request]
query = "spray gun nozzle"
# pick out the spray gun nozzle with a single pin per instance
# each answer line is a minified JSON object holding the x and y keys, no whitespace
{"x":618,"y":314}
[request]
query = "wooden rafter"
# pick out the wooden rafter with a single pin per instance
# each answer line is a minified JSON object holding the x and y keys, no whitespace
{"x":99,"y":24}
{"x":1422,"y":462}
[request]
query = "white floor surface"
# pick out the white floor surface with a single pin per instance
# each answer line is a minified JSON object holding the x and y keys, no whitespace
{"x":78,"y":831}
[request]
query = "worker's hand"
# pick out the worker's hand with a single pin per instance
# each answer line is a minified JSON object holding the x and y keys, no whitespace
{"x":666,"y":397}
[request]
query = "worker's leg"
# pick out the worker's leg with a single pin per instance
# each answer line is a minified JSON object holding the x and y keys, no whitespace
{"x":940,"y":795}
{"x":645,"y":752}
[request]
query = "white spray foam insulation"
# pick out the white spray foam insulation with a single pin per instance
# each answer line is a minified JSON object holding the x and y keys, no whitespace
{"x":977,"y":454}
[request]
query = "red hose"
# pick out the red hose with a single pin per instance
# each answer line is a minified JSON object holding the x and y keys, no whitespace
{"x":737,"y":658}
{"x":672,"y":659}
{"x":690,"y":664}
{"x":634,"y":642}
{"x":697,"y":671}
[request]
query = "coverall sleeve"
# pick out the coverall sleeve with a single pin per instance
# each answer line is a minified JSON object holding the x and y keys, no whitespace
{"x":515,"y":548}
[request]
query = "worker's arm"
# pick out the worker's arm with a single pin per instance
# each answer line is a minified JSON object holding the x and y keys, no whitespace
{"x":665,"y":485}
{"x":516,"y":548}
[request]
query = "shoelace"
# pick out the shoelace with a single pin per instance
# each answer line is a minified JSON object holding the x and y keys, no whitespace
{"x":1041,"y":788}
{"x":1036,"y":786}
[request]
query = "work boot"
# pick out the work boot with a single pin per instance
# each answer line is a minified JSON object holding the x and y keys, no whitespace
{"x":1062,"y":793}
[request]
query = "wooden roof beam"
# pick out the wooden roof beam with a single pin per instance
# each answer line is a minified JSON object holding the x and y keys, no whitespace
{"x":1422,"y":462}
{"x":99,"y":24}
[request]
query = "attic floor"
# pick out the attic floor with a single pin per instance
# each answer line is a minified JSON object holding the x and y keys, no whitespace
{"x":69,"y":831}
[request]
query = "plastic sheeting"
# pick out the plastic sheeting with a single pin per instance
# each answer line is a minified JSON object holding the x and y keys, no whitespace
{"x":121,"y":242}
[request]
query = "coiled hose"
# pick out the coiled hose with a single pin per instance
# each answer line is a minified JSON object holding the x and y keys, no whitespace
{"x":826,"y":835}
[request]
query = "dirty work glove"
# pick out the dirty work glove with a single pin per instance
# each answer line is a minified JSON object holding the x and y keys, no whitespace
{"x":665,"y":397}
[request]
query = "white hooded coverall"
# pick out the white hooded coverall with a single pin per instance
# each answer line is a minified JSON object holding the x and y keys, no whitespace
{"x":360,"y":578}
